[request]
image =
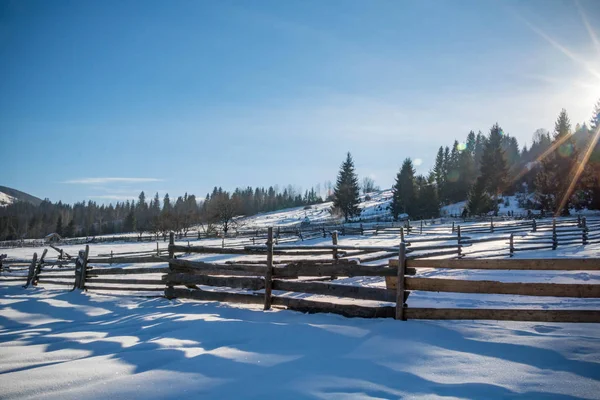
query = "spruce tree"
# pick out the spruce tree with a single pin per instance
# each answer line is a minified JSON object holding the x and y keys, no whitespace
{"x":403,"y":199}
{"x":347,"y":191}
{"x":440,"y":173}
{"x":554,"y":178}
{"x":59,"y":225}
{"x":493,"y":163}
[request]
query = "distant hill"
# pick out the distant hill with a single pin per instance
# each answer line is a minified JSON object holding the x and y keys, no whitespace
{"x":9,"y":195}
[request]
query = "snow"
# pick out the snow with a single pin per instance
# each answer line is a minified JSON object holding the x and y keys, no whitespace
{"x":61,"y":345}
{"x":5,"y":199}
{"x":376,"y":206}
{"x":67,"y":345}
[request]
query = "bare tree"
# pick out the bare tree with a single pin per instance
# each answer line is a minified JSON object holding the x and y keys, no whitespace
{"x":368,"y":185}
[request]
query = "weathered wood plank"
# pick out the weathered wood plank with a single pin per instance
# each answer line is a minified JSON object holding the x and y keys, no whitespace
{"x":294,"y":270}
{"x":128,"y":260}
{"x":400,"y":283}
{"x":504,"y":314}
{"x":127,"y":281}
{"x":52,"y":282}
{"x":347,"y":310}
{"x":217,"y":269}
{"x":495,"y":287}
{"x":332,"y":289}
{"x":232,"y":282}
{"x":126,"y":289}
{"x":126,"y":271}
{"x":547,"y":264}
{"x":206,"y":250}
{"x":205,"y":295}
{"x":269,"y":270}
{"x":43,"y":275}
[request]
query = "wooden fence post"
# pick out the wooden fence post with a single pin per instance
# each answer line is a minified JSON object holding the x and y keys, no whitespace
{"x":334,"y":241}
{"x":452,"y":226}
{"x":171,"y":268}
{"x":459,"y":240}
{"x":400,"y":284}
{"x":492,"y":224}
{"x":421,"y":231}
{"x":533,"y":226}
{"x":512,"y":245}
{"x":554,"y":236}
{"x":402,"y":234}
{"x":584,"y":234}
{"x":157,"y":250}
{"x":38,"y":268}
{"x":579,"y":221}
{"x":84,"y":267}
{"x":31,"y":270}
{"x":269,"y":273}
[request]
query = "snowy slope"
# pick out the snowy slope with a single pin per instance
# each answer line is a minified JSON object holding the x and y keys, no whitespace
{"x":377,"y":206}
{"x":6,"y":199}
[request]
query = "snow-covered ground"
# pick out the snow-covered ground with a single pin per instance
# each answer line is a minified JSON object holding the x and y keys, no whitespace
{"x":60,"y":345}
{"x":5,"y":199}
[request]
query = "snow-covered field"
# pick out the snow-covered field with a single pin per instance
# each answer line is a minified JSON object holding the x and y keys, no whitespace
{"x":59,"y":344}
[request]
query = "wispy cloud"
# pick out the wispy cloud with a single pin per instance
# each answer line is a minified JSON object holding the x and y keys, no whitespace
{"x":102,"y":181}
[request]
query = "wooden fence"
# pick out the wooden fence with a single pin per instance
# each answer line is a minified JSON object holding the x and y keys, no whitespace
{"x":309,"y":270}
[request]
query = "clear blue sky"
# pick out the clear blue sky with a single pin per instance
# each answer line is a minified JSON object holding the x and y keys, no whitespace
{"x":180,"y":96}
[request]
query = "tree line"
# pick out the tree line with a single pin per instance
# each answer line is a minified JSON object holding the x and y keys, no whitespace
{"x":558,"y":172}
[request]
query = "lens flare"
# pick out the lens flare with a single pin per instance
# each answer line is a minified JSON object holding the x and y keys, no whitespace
{"x":565,"y":150}
{"x":461,"y":147}
{"x":417,"y":162}
{"x":453,"y":175}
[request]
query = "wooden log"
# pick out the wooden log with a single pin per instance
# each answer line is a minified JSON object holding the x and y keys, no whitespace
{"x":54,"y":270}
{"x":504,"y":314}
{"x":127,"y":289}
{"x":127,"y":271}
{"x":232,"y":282}
{"x":330,"y":269}
{"x":38,"y":268}
{"x":332,"y":289}
{"x":12,"y":278}
{"x":269,"y":271}
{"x":127,"y":281}
{"x":31,"y":270}
{"x":377,"y":257}
{"x":55,"y":276}
{"x":347,"y":310}
{"x":216,"y":269}
{"x":127,"y":260}
{"x":494,"y":287}
{"x":544,"y":264}
{"x":205,"y":295}
{"x":52,"y":282}
{"x":84,"y":267}
{"x":207,"y":250}
{"x":61,"y":252}
{"x":400,"y":283}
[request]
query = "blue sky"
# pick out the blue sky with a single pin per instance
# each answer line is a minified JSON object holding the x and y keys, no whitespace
{"x":102,"y":99}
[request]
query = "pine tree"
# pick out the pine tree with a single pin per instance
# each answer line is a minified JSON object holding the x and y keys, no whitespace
{"x":129,"y":225}
{"x":403,"y":198}
{"x":493,"y":163}
{"x":479,"y":201}
{"x":440,"y":173}
{"x":347,"y":191}
{"x":554,"y":178}
{"x":59,"y":227}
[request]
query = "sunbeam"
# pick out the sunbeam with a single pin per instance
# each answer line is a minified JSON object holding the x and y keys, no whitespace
{"x":579,"y":169}
{"x":588,"y":26}
{"x":560,"y":47}
{"x":541,"y":157}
